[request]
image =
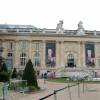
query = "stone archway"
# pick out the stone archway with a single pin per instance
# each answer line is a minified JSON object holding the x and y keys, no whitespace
{"x":71,"y":59}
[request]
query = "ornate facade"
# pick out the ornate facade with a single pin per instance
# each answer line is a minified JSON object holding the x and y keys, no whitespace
{"x":50,"y":49}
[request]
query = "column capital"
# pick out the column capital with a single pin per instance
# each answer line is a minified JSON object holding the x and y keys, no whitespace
{"x":44,"y":41}
{"x":62,"y":41}
{"x":58,"y":41}
{"x":43,"y":54}
{"x":81,"y":42}
{"x":2,"y":40}
{"x":30,"y":40}
{"x":16,"y":40}
{"x":97,"y":42}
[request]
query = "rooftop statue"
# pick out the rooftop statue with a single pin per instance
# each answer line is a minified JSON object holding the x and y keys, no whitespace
{"x":80,"y":30}
{"x":80,"y":24}
{"x":59,"y":27}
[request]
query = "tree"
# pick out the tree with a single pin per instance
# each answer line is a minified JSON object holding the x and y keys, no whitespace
{"x":4,"y":75}
{"x":29,"y":75}
{"x":4,"y":68}
{"x":14,"y":73}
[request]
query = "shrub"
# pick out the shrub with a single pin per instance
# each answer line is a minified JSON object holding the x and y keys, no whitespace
{"x":29,"y":75}
{"x":4,"y":75}
{"x":14,"y":73}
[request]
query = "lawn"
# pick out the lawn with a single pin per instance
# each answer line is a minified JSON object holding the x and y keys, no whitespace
{"x":60,"y":80}
{"x":64,"y":80}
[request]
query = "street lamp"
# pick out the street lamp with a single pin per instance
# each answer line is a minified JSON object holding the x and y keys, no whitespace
{"x":1,"y":58}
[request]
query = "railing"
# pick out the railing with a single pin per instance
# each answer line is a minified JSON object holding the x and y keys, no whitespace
{"x":67,"y":87}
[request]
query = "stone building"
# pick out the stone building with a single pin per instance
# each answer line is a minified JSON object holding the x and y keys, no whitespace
{"x":50,"y":49}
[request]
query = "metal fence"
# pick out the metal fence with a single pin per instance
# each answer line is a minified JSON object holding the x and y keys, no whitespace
{"x":69,"y":92}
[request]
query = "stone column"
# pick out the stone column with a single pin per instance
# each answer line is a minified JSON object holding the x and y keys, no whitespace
{"x":96,"y":55}
{"x":62,"y":54}
{"x":30,"y":50}
{"x":79,"y":54}
{"x":4,"y":52}
{"x":16,"y":55}
{"x":83,"y":54}
{"x":43,"y":63}
{"x":57,"y":54}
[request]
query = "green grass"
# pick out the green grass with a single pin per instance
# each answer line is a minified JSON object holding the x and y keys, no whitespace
{"x":95,"y":82}
{"x":63,"y":80}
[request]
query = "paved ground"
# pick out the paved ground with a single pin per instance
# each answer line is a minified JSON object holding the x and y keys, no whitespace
{"x":91,"y":91}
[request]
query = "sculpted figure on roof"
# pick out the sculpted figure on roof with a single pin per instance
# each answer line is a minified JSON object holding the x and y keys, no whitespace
{"x":80,"y":25}
{"x":59,"y":27}
{"x":80,"y":29}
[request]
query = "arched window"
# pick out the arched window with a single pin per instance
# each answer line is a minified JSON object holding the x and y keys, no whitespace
{"x":70,"y":60}
{"x":36,"y":59}
{"x":23,"y":59}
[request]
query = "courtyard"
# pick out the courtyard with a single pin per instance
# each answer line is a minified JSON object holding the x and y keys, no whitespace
{"x":91,"y":91}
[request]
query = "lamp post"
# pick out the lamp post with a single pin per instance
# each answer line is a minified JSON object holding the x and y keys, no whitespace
{"x":1,"y":58}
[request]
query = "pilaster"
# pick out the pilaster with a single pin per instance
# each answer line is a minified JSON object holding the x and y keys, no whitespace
{"x":16,"y":55}
{"x":43,"y":63}
{"x":57,"y":53}
{"x":62,"y":54}
{"x":4,"y":52}
{"x":30,"y":50}
{"x":83,"y":54}
{"x":96,"y":55}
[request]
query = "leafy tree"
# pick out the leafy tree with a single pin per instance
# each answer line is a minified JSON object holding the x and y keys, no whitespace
{"x":29,"y":75}
{"x":14,"y":73}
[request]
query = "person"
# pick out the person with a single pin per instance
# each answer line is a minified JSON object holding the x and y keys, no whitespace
{"x":41,"y":75}
{"x":45,"y":77}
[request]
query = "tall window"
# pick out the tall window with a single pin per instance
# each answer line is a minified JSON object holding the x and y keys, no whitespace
{"x":9,"y":54}
{"x":37,"y":46}
{"x":23,"y":59}
{"x":70,"y":60}
{"x":37,"y":59}
{"x":10,"y":45}
{"x":23,"y":45}
{"x":9,"y":60}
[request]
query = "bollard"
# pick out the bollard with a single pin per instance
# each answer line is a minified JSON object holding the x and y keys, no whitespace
{"x":5,"y":90}
{"x":3,"y":93}
{"x":44,"y":81}
{"x":83,"y":86}
{"x":55,"y":96}
{"x":70,"y":97}
{"x":78,"y":90}
{"x":1,"y":90}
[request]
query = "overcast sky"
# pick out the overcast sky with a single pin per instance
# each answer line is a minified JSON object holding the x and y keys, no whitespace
{"x":47,"y":13}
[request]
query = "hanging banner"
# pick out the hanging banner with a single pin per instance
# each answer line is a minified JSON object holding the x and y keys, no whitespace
{"x":90,"y":54}
{"x":50,"y":54}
